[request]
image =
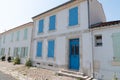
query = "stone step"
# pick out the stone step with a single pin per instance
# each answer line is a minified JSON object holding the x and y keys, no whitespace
{"x":72,"y":74}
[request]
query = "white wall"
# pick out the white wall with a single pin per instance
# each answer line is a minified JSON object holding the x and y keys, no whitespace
{"x":21,"y":43}
{"x":104,"y":55}
{"x":87,"y":63}
{"x":97,"y":14}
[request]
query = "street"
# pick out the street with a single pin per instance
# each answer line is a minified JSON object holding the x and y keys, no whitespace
{"x":5,"y":77}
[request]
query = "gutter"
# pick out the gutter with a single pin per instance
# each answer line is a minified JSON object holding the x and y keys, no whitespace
{"x":90,"y":30}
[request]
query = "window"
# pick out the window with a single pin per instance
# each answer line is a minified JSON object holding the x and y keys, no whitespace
{"x":116,"y":46}
{"x":39,"y":49}
{"x":41,"y":26}
{"x":25,"y":33}
{"x":51,"y":48}
{"x":2,"y":51}
{"x":73,"y":16}
{"x":52,"y":22}
{"x":18,"y":35}
{"x":16,"y":50}
{"x":24,"y":52}
{"x":98,"y":40}
{"x":4,"y":38}
{"x":12,"y":36}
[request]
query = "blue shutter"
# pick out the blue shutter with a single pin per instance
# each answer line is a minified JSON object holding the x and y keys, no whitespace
{"x":52,"y":22}
{"x":51,"y":48}
{"x":41,"y":25}
{"x":73,"y":16}
{"x":39,"y":49}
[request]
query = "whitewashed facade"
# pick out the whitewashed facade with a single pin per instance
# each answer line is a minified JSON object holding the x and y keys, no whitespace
{"x":16,"y":42}
{"x":63,"y":34}
{"x":73,"y":36}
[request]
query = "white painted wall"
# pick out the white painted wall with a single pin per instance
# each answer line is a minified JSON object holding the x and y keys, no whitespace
{"x":104,"y":54}
{"x":87,"y":59}
{"x":97,"y":14}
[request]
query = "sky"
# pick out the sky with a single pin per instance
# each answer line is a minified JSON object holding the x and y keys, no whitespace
{"x":17,"y":12}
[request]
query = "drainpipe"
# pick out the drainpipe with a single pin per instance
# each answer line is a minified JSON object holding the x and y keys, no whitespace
{"x":89,"y":25}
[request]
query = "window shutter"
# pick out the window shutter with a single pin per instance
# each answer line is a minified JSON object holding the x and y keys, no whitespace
{"x":41,"y":25}
{"x":51,"y":48}
{"x":39,"y":49}
{"x":73,"y":16}
{"x":52,"y":22}
{"x":116,"y":46}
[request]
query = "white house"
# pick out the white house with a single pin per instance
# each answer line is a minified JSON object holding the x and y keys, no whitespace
{"x":62,"y":36}
{"x":17,"y":42}
{"x":73,"y":36}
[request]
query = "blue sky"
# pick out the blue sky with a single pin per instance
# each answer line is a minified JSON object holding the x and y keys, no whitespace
{"x":16,"y":12}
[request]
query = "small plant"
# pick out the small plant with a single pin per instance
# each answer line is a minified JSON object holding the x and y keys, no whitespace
{"x":3,"y":58}
{"x":17,"y":60}
{"x":9,"y":59}
{"x":79,"y":79}
{"x":28,"y":63}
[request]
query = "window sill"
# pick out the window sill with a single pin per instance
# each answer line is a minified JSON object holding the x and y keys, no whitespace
{"x":75,"y":26}
{"x":39,"y":57}
{"x":115,"y":63}
{"x":51,"y":58}
{"x":49,"y":31}
{"x":40,"y":33}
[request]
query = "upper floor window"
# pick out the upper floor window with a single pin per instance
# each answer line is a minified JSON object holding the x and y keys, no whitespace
{"x":12,"y":36}
{"x":52,"y":22}
{"x":25,"y":34}
{"x":41,"y":26}
{"x":73,"y":16}
{"x":4,"y":38}
{"x":98,"y":40}
{"x":18,"y":36}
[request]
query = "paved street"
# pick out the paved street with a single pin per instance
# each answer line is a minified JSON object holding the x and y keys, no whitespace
{"x":5,"y":77}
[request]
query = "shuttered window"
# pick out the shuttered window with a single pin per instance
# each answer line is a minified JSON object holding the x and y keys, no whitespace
{"x":41,"y":26}
{"x":25,"y":34}
{"x":73,"y":16}
{"x":116,"y":46}
{"x":24,"y":52}
{"x":18,"y":36}
{"x":51,"y":44}
{"x":52,"y":22}
{"x":39,"y":49}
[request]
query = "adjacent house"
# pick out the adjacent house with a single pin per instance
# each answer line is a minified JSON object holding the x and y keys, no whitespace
{"x":106,"y":49}
{"x":16,"y":42}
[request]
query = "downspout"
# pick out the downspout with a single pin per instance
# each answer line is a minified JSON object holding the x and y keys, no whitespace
{"x":89,"y":25}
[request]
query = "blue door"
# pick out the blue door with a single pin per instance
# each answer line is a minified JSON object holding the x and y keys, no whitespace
{"x":74,"y":54}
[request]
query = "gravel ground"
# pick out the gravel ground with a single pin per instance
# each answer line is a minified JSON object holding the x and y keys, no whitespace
{"x":32,"y":73}
{"x":5,"y":77}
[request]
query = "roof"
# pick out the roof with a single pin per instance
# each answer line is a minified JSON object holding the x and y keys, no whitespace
{"x":19,"y":27}
{"x":103,"y":24}
{"x":54,"y":8}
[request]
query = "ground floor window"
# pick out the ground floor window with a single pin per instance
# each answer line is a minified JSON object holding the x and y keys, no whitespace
{"x":2,"y":52}
{"x":24,"y":52}
{"x":16,"y":52}
{"x":51,"y":46}
{"x":39,"y":49}
{"x":116,"y":46}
